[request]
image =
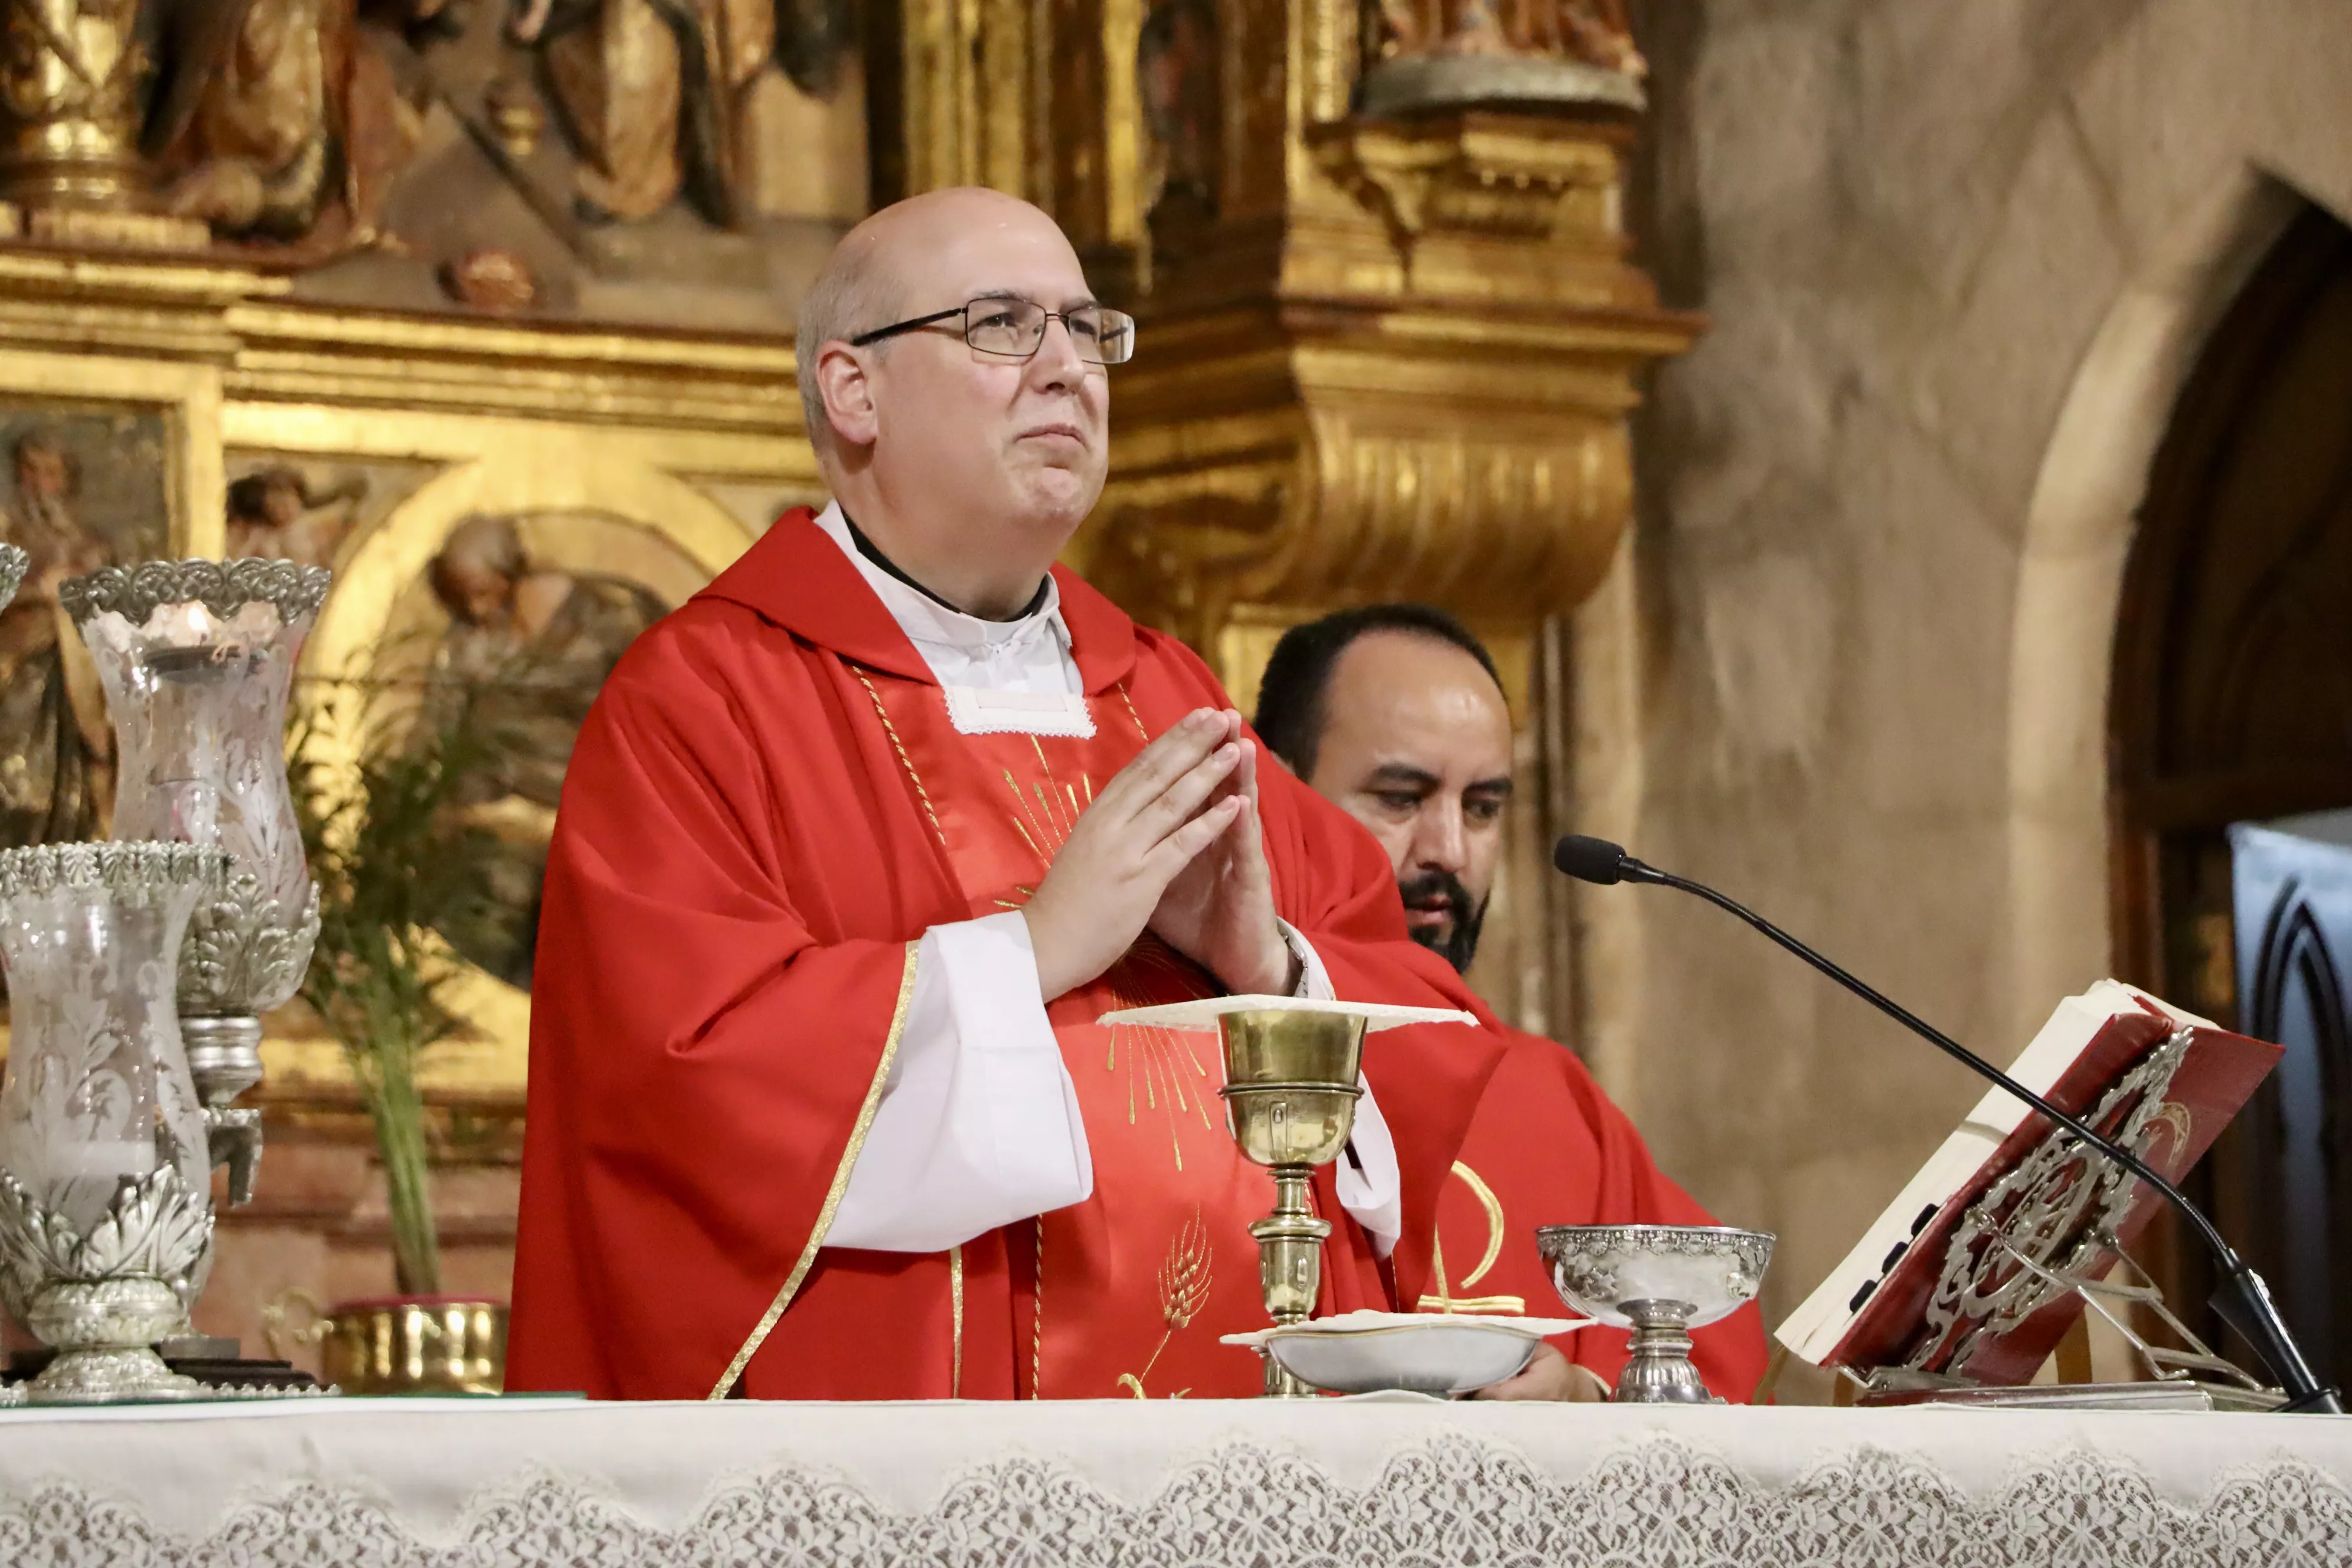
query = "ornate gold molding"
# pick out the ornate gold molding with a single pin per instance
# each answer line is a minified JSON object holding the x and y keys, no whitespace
{"x":1427,"y":400}
{"x":1480,"y":205}
{"x":289,"y":352}
{"x":1278,"y":457}
{"x":673,"y":433}
{"x":1381,"y":357}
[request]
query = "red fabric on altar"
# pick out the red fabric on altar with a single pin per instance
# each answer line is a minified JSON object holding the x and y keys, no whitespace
{"x":1547,"y":1147}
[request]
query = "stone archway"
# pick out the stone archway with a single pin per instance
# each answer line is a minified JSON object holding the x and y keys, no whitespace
{"x":2236,"y":177}
{"x":2086,"y":894}
{"x":2078,"y":536}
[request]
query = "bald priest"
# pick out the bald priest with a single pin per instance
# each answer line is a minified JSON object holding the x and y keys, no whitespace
{"x":853,"y":850}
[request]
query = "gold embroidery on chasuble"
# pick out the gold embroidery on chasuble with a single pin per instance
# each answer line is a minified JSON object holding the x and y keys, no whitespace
{"x":1145,"y":1274}
{"x":1490,"y":1211}
{"x":832,"y":1205}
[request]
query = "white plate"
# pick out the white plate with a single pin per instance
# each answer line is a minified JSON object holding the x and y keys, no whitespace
{"x":1422,"y":1353}
{"x":1202,"y":1013}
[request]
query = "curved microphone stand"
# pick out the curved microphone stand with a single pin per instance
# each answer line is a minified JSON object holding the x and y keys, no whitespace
{"x":2242,"y":1298}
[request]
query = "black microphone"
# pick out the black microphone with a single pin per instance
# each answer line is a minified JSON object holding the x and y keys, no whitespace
{"x":2242,"y":1298}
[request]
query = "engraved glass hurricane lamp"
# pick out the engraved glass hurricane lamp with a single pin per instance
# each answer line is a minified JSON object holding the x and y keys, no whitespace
{"x":105,"y":1181}
{"x":197,"y":658}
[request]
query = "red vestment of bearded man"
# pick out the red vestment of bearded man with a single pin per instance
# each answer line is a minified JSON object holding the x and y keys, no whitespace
{"x":1547,"y":1147}
{"x":766,"y":809}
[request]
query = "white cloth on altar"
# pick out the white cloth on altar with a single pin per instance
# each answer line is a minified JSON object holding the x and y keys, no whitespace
{"x":978,"y":1125}
{"x":1199,"y":1481}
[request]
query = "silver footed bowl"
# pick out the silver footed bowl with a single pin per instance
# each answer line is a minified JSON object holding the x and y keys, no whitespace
{"x":1600,"y":1270}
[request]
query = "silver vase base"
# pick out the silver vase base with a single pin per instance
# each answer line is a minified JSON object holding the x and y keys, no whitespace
{"x":224,"y":1054}
{"x":1660,"y":1371}
{"x":113,"y":1376}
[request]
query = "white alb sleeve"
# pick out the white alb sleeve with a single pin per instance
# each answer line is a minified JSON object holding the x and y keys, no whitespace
{"x":1313,"y":981}
{"x":1371,"y":1188}
{"x":978,"y":1125}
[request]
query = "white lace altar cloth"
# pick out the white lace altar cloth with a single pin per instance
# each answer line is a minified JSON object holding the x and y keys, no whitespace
{"x":1186,"y":1485}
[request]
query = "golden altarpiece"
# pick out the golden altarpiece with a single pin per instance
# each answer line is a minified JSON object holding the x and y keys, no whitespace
{"x":453,"y":292}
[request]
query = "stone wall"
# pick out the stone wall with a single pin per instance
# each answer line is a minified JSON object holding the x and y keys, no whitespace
{"x":1957,"y":256}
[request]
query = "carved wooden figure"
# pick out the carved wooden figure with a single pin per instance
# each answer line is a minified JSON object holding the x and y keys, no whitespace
{"x":652,"y":92}
{"x":1594,"y":32}
{"x":276,"y":122}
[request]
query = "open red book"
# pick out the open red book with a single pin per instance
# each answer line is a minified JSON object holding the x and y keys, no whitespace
{"x":1945,"y":1282}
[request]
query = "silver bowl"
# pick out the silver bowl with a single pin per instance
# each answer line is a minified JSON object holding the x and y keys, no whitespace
{"x":1661,"y":1282}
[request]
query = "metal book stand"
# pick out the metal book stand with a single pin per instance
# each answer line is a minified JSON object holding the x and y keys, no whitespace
{"x":2047,"y":1228}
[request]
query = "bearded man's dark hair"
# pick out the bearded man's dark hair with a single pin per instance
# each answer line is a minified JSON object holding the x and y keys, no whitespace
{"x":1291,"y":697}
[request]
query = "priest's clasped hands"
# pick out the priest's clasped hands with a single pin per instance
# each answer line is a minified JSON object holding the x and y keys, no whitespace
{"x":1170,"y":844}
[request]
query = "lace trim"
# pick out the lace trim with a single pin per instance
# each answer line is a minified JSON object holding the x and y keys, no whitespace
{"x":975,"y":711}
{"x":1452,"y":1500}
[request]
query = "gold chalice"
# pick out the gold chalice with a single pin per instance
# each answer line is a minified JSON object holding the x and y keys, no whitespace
{"x":1290,"y":1101}
{"x":1291,"y":1087}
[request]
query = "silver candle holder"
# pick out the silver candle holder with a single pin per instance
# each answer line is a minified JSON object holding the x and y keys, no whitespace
{"x":106,"y":1216}
{"x":197,"y":658}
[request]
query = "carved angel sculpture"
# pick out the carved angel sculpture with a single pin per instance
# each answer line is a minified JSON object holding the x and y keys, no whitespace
{"x":276,"y":121}
{"x":651,"y":91}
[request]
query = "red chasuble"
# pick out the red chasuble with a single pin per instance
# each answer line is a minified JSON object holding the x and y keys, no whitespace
{"x":1547,"y":1147}
{"x":767,"y":808}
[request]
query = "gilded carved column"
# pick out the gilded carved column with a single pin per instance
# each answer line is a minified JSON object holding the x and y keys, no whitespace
{"x":1391,"y":341}
{"x":1391,"y":332}
{"x":1035,"y":97}
{"x":1388,"y":352}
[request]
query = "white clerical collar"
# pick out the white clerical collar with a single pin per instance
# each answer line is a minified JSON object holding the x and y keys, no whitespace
{"x":927,"y":621}
{"x":1013,"y":676}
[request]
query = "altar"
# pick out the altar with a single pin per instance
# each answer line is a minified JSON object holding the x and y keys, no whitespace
{"x":530,"y":1482}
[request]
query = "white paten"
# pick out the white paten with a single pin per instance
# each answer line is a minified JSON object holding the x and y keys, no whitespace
{"x":1420,"y":1352}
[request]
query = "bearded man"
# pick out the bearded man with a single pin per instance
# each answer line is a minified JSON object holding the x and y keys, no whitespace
{"x":1396,"y":714}
{"x":855,"y":848}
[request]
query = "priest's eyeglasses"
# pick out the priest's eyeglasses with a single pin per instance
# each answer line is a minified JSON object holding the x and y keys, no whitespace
{"x":1016,"y":328}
